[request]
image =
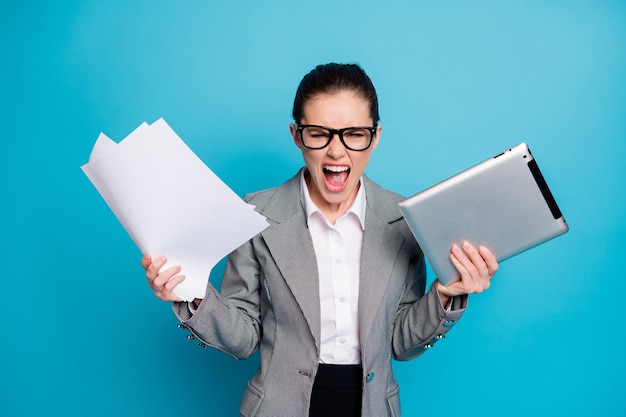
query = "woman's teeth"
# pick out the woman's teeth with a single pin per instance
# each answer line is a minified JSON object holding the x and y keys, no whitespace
{"x":334,"y":168}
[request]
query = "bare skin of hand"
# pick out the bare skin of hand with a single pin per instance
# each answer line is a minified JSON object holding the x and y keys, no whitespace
{"x":162,"y":282}
{"x":476,"y":267}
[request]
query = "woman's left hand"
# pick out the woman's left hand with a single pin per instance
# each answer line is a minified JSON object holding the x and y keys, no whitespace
{"x":476,"y":268}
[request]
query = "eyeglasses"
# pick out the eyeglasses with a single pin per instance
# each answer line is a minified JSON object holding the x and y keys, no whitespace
{"x":357,"y":138}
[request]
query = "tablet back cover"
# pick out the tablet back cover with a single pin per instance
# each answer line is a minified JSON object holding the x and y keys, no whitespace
{"x":502,"y":203}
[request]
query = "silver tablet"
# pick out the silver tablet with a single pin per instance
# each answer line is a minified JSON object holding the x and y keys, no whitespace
{"x":502,"y":203}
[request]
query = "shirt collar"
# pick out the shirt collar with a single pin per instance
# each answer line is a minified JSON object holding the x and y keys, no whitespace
{"x":357,"y":208}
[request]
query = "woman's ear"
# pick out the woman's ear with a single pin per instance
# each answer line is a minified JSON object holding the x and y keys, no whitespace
{"x":294,"y":134}
{"x":379,"y":131}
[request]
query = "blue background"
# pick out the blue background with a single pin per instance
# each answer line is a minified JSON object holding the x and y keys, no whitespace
{"x":81,"y":333}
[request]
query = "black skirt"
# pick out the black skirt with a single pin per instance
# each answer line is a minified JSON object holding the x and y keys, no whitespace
{"x":337,"y":391}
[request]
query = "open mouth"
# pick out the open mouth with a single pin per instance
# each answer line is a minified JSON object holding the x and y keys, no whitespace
{"x":336,"y":177}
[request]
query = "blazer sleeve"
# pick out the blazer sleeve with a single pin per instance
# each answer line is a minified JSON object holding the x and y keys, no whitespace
{"x":421,"y":320}
{"x":229,"y":320}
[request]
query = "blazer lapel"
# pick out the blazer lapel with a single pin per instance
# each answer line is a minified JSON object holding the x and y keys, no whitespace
{"x":292,"y":249}
{"x":381,"y":246}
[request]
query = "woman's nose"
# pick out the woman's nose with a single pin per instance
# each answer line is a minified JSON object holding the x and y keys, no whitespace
{"x":335,"y":147}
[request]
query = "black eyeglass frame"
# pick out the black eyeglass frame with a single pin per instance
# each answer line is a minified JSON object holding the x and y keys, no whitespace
{"x":338,"y":132}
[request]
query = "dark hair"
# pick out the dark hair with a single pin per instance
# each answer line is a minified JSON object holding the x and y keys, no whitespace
{"x":332,"y":78}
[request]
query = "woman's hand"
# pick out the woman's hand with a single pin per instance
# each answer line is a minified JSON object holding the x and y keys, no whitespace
{"x":162,"y":282}
{"x":476,"y":268}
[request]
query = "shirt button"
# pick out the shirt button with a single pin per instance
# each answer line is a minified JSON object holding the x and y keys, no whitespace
{"x":338,"y":261}
{"x":342,"y":340}
{"x":342,"y":299}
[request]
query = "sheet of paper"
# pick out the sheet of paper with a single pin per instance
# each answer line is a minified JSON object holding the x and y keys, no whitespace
{"x":170,"y":202}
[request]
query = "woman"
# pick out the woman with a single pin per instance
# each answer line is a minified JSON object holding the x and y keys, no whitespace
{"x":334,"y":287}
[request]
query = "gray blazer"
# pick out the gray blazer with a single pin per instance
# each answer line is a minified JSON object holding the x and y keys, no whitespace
{"x":269,"y":300}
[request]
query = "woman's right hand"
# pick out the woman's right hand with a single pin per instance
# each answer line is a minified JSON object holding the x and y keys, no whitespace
{"x":162,"y":282}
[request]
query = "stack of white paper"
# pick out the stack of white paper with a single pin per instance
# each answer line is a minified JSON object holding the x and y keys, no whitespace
{"x":170,"y":202}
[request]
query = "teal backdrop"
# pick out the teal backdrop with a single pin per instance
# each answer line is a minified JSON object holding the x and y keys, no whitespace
{"x":81,"y":333}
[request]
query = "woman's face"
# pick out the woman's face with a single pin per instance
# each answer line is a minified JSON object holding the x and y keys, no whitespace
{"x":334,"y":171}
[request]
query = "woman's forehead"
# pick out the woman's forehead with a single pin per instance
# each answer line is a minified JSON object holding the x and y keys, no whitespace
{"x":346,"y":93}
{"x":343,"y":104}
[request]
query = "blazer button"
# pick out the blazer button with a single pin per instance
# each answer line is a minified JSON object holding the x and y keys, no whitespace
{"x":449,"y":323}
{"x":370,"y":377}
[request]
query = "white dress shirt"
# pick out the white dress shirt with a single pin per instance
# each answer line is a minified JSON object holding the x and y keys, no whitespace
{"x":338,"y":252}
